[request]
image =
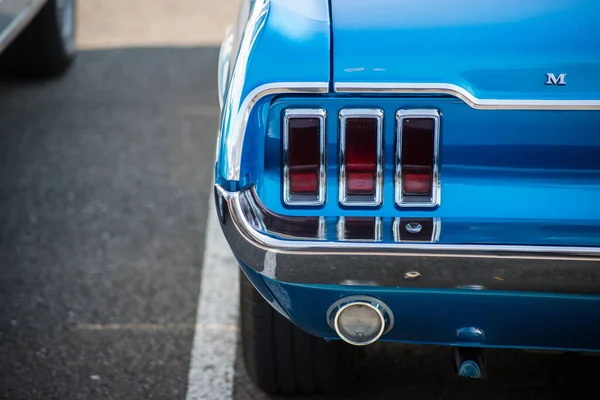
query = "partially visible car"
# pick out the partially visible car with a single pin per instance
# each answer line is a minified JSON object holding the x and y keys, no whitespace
{"x":415,"y":171}
{"x":37,"y":37}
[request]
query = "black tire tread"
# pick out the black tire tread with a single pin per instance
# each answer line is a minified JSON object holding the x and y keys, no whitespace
{"x":281,"y":358}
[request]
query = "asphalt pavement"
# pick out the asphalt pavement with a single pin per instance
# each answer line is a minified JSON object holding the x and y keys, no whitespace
{"x":105,"y":180}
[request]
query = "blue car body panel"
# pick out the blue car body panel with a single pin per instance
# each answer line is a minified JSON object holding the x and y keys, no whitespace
{"x":506,"y":319}
{"x":494,"y":49}
{"x":510,"y":164}
{"x":508,"y":176}
{"x":287,"y":42}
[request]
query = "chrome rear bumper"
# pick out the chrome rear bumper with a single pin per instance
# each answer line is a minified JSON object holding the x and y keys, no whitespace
{"x":247,"y":225}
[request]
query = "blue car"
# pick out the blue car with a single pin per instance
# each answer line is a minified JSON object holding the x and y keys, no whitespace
{"x":410,"y":171}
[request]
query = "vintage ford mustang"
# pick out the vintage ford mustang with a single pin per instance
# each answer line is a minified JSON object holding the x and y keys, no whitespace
{"x":410,"y":171}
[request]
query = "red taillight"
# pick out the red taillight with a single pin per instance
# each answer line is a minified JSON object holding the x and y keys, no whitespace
{"x":360,"y":153}
{"x":304,"y":148}
{"x":417,"y":154}
{"x":361,"y":156}
{"x":304,"y":155}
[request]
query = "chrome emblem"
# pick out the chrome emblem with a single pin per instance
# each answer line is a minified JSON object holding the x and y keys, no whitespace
{"x":413,"y":227}
{"x":553,"y":80}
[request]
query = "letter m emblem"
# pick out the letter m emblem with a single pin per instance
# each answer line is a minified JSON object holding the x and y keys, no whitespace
{"x":553,"y":80}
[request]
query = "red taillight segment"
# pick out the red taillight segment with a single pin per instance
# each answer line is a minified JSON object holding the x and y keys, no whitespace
{"x":361,"y":156}
{"x":360,"y":149}
{"x":416,"y":168}
{"x":304,"y":155}
{"x":417,"y":156}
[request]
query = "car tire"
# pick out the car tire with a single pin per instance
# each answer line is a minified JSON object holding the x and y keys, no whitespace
{"x":46,"y":47}
{"x":281,"y":358}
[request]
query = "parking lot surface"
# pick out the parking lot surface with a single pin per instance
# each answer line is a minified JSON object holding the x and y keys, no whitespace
{"x":105,"y":182}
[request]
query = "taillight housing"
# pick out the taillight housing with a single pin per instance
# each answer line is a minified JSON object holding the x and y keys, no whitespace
{"x":304,"y":171}
{"x":361,"y":157}
{"x":417,"y":158}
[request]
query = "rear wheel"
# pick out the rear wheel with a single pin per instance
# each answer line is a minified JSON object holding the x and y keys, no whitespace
{"x":281,"y":358}
{"x":46,"y":48}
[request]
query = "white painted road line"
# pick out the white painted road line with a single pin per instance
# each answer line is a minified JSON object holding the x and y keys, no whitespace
{"x":213,"y":351}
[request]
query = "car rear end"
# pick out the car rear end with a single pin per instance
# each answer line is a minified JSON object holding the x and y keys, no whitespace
{"x":435,"y":182}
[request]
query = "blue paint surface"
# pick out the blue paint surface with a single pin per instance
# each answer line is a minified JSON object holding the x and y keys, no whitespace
{"x":509,"y":319}
{"x":494,"y":49}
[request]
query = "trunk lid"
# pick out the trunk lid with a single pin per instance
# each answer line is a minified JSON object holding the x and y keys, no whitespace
{"x":493,"y":49}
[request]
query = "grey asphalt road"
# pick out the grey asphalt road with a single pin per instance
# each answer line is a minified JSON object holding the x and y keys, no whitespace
{"x":104,"y":186}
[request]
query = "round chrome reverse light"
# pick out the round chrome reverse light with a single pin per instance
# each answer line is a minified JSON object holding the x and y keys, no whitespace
{"x":359,"y":323}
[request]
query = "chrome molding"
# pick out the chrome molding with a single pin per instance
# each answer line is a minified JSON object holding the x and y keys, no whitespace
{"x":238,"y":201}
{"x":224,"y":64}
{"x":19,"y":22}
{"x":435,"y":233}
{"x":237,"y":127}
{"x":360,"y":200}
{"x":552,"y":269}
{"x":305,"y":200}
{"x":463,"y":94}
{"x":418,"y":201}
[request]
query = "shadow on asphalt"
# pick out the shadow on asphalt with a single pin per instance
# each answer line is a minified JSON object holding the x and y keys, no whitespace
{"x":397,"y":371}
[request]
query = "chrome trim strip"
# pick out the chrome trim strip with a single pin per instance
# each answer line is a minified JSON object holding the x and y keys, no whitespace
{"x":224,"y":64}
{"x":19,"y":22}
{"x":237,"y":128}
{"x":464,"y":95}
{"x":359,"y":200}
{"x":377,"y":231}
{"x":305,"y":200}
{"x":549,"y":269}
{"x":435,"y":234}
{"x":418,"y":201}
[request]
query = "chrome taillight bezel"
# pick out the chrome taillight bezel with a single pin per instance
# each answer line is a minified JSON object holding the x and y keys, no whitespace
{"x":352,"y":200}
{"x":414,"y":200}
{"x":296,"y":199}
